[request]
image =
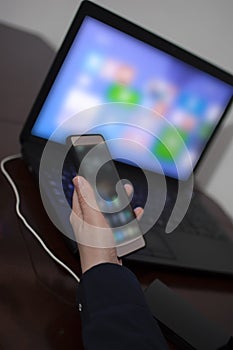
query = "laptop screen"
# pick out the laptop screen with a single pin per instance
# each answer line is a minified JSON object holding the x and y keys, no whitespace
{"x":105,"y":65}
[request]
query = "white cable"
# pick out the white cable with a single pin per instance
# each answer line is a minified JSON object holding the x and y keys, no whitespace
{"x":20,"y":215}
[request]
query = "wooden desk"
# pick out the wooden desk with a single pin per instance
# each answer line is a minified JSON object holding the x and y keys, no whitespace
{"x":37,"y":297}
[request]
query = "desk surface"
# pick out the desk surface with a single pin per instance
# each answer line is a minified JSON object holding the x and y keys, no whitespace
{"x":37,"y":297}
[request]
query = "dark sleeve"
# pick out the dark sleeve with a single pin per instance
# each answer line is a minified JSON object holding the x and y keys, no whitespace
{"x":114,"y":312}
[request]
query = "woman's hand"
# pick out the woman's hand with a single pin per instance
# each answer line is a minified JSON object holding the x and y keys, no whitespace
{"x":93,"y":234}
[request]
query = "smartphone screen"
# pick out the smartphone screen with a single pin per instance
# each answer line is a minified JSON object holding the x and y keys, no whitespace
{"x":93,"y":162}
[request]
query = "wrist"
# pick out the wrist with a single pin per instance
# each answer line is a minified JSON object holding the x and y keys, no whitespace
{"x":90,"y":256}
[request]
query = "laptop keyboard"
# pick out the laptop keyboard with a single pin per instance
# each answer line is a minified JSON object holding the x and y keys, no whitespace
{"x":68,"y":187}
{"x":199,"y":222}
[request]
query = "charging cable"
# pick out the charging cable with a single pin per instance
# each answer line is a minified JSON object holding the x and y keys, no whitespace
{"x":22,"y":218}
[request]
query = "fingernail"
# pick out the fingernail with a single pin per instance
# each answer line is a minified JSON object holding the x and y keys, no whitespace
{"x":75,"y":180}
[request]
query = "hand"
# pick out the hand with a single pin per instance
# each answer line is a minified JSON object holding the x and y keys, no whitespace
{"x":90,"y":227}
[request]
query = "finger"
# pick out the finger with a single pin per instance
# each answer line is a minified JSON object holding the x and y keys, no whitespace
{"x":85,"y":194}
{"x":138,"y":212}
{"x":86,"y":197}
{"x":75,"y":201}
{"x":76,"y":216}
{"x":128,"y":189}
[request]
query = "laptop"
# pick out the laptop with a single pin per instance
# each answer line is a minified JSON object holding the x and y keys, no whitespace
{"x":114,"y":78}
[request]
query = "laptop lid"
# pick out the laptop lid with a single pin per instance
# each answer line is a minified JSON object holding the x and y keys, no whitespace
{"x":106,"y":59}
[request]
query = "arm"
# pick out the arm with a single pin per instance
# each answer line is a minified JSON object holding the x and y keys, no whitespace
{"x":114,"y":312}
{"x":113,"y":309}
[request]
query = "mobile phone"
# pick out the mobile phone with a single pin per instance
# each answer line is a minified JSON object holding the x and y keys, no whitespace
{"x":93,"y":161}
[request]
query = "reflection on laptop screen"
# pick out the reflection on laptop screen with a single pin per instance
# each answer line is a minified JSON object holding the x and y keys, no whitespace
{"x":106,"y":65}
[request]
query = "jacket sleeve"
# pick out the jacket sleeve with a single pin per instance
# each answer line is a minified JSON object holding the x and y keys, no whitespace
{"x":114,"y":313}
